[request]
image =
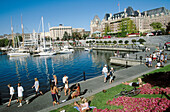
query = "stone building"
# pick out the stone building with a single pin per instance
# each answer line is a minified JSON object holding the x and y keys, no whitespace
{"x":142,"y":20}
{"x":59,"y":31}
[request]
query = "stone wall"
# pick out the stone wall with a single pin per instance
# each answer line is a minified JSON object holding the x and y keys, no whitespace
{"x":152,"y":40}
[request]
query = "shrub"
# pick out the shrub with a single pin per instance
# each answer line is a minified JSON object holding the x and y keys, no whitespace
{"x":115,"y":42}
{"x":133,"y":41}
{"x":105,"y":42}
{"x":126,"y":41}
{"x":120,"y":41}
{"x":141,"y":41}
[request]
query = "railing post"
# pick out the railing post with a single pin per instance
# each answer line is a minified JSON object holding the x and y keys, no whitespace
{"x":136,"y":57}
{"x":84,"y":76}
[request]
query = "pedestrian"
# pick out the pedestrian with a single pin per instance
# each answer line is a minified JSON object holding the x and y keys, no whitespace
{"x":66,"y":87}
{"x":154,"y":56}
{"x":53,"y":90}
{"x":166,"y":57}
{"x":55,"y":80}
{"x":105,"y":72}
{"x":37,"y":86}
{"x":20,"y":94}
{"x":162,"y":57}
{"x":64,"y":79}
{"x":111,"y":74}
{"x":147,"y":61}
{"x":150,"y":61}
{"x":12,"y":94}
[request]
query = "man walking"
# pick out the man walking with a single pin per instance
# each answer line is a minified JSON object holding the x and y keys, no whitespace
{"x":12,"y":91}
{"x":20,"y":94}
{"x":105,"y":71}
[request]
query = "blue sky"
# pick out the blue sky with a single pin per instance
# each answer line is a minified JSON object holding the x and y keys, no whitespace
{"x":75,"y":13}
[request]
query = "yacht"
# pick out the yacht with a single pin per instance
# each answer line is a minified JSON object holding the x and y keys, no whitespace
{"x":66,"y":50}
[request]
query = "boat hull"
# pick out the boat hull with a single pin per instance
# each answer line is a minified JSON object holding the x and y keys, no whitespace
{"x":18,"y":54}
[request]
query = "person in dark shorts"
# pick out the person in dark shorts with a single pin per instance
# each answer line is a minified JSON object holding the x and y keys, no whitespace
{"x":111,"y":74}
{"x":134,"y":84}
{"x":53,"y":90}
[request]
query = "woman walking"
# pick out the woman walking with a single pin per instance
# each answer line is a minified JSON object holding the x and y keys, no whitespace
{"x":53,"y":90}
{"x":66,"y":87}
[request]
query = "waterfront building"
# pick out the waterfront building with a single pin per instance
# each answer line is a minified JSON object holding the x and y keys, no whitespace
{"x":142,"y":20}
{"x":58,"y":31}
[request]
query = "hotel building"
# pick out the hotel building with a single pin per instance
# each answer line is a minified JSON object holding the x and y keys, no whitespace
{"x":142,"y":20}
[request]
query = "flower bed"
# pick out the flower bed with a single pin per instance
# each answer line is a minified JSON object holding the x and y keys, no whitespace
{"x":147,"y":89}
{"x":137,"y":104}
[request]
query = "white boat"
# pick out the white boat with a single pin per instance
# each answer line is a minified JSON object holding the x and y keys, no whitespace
{"x":14,"y":54}
{"x":88,"y":49}
{"x":46,"y":51}
{"x":66,"y":51}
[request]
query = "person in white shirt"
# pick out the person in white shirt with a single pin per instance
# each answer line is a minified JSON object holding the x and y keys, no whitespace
{"x":12,"y":92}
{"x":37,"y":86}
{"x":20,"y":94}
{"x":65,"y":78}
{"x":105,"y":72}
{"x":150,"y":61}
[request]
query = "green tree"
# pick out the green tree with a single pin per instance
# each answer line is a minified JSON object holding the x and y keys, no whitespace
{"x":93,"y":41}
{"x":4,"y":42}
{"x":90,"y":41}
{"x":126,"y":26}
{"x":141,"y":41}
{"x":97,"y":41}
{"x":57,"y":38}
{"x":85,"y":36}
{"x":20,"y":38}
{"x":65,"y":36}
{"x":101,"y":42}
{"x":105,"y":42}
{"x":120,"y":41}
{"x":115,"y":42}
{"x":126,"y":42}
{"x":156,"y":26}
{"x":87,"y":42}
{"x":106,"y":30}
{"x":168,"y":28}
{"x":109,"y":42}
{"x":133,"y":41}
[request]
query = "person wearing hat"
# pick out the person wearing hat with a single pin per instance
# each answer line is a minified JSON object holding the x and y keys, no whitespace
{"x":105,"y":71}
{"x":111,"y":73}
{"x":37,"y":86}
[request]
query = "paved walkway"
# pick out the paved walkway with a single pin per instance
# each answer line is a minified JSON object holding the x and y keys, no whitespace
{"x":93,"y":86}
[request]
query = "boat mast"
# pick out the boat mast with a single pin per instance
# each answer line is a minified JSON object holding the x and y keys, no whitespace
{"x":43,"y":31}
{"x":22,"y":32}
{"x":50,"y":33}
{"x":12,"y":34}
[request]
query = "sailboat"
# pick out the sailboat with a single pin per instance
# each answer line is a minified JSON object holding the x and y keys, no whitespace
{"x":46,"y":51}
{"x":21,"y":51}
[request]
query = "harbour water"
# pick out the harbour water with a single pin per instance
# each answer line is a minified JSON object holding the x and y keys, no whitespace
{"x":25,"y":69}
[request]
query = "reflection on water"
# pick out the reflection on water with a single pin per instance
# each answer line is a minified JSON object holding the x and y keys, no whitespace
{"x":25,"y":69}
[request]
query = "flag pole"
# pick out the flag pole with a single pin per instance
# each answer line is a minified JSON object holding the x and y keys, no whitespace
{"x":119,"y":6}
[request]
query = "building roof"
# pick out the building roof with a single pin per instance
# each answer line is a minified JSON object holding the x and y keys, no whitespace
{"x":156,"y":11}
{"x":130,"y":12}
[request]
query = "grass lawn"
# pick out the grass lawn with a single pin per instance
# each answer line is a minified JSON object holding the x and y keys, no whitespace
{"x":99,"y":100}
